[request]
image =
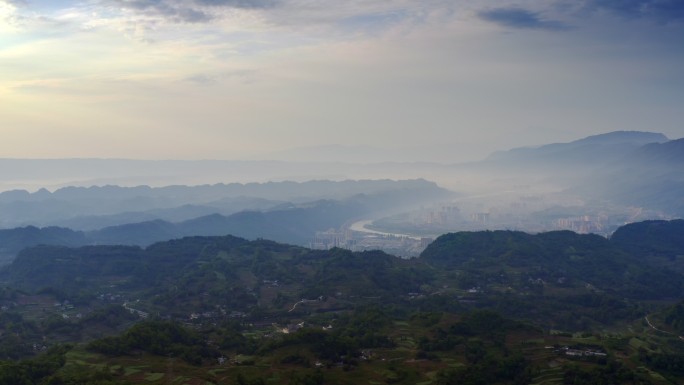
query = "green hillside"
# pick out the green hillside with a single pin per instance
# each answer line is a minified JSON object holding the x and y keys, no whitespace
{"x":495,"y":307}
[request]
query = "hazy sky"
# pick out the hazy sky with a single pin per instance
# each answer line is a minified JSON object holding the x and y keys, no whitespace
{"x":431,"y":79}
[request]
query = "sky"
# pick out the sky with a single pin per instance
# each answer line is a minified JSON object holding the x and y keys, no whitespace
{"x":412,"y":80}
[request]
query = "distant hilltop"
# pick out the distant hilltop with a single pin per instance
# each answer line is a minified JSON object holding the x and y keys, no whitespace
{"x":636,"y":137}
{"x":603,"y":146}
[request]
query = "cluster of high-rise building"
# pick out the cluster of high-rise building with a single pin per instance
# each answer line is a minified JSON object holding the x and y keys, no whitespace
{"x":330,"y":238}
{"x":583,"y":224}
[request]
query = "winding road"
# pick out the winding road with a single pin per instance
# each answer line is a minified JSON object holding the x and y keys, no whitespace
{"x":660,"y":330}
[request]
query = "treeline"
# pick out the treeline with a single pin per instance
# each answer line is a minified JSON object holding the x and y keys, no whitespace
{"x":365,"y":328}
{"x":674,"y":317}
{"x":562,"y":258}
{"x":158,"y":337}
{"x":48,"y":369}
{"x":22,"y":337}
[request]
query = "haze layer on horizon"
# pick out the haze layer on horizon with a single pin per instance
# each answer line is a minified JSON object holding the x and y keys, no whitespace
{"x":435,"y":80}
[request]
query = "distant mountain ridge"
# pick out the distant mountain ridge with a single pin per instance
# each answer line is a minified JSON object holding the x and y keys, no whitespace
{"x":627,"y":168}
{"x":294,"y":225}
{"x":603,"y":147}
{"x":664,"y":153}
{"x":636,"y":137}
{"x":89,"y":208}
{"x":286,"y":190}
{"x":651,"y":176}
{"x":627,"y":171}
{"x":287,"y":223}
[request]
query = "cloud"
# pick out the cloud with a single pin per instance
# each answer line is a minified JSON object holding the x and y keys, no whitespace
{"x":663,"y":11}
{"x":243,"y":4}
{"x":161,"y":4}
{"x":238,"y":77}
{"x":307,"y":14}
{"x":165,"y":9}
{"x":519,"y":18}
{"x":196,"y":11}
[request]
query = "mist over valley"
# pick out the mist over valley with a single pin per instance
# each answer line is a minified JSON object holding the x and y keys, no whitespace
{"x":576,"y":246}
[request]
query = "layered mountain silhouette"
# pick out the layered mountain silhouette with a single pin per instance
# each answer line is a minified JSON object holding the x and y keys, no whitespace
{"x":601,"y":148}
{"x":631,"y":168}
{"x":293,"y":223}
{"x":626,"y":168}
{"x":95,"y":207}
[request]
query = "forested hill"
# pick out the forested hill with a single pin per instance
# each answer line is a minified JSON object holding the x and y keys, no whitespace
{"x":624,"y":264}
{"x":543,"y":278}
{"x":14,"y":240}
{"x":673,"y":316}
{"x":267,"y":304}
{"x":195,"y":273}
{"x":664,"y":238}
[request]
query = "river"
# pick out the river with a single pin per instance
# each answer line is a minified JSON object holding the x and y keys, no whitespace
{"x":360,"y":226}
